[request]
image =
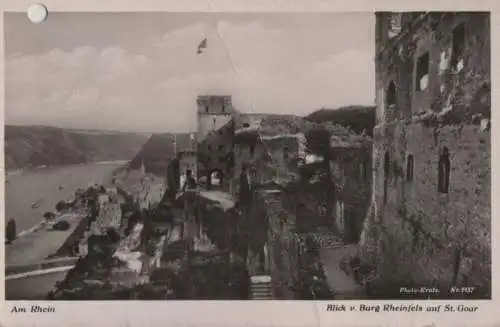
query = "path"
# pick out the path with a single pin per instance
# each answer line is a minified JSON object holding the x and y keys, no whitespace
{"x":37,"y":246}
{"x":33,"y":287}
{"x":342,"y":285}
{"x":225,"y":200}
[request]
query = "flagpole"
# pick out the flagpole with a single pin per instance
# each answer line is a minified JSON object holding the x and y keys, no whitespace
{"x":233,"y":68}
{"x":175,"y":145}
{"x":228,"y":56}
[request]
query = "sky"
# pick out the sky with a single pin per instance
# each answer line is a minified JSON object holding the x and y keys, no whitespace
{"x":140,"y":71}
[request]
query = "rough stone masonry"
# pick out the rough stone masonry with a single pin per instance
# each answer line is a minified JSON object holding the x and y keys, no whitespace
{"x":431,"y":208}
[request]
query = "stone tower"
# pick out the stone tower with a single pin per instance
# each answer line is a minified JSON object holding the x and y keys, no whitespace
{"x":215,"y":140}
{"x":431,"y":156}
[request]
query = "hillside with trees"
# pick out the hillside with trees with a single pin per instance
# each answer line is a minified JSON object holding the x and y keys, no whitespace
{"x":356,"y":118}
{"x":35,"y":146}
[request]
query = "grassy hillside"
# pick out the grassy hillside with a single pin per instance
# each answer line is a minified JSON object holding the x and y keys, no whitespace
{"x":159,"y":150}
{"x":33,"y":146}
{"x":357,"y":118}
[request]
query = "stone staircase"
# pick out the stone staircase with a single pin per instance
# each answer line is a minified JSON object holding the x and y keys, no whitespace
{"x":260,"y":288}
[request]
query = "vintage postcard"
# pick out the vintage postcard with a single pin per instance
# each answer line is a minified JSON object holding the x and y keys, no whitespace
{"x":341,"y":158}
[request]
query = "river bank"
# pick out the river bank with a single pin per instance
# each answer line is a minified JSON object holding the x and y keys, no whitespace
{"x":14,"y":172}
{"x":106,"y":212}
{"x":45,"y":187}
{"x":129,"y":249}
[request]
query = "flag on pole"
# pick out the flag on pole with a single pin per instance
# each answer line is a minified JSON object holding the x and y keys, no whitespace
{"x":201,"y":46}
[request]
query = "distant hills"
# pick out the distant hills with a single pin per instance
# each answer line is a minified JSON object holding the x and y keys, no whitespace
{"x":356,"y":118}
{"x":34,"y":146}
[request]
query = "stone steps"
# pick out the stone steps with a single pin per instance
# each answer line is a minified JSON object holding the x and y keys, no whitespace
{"x":256,"y":295}
{"x":260,"y":288}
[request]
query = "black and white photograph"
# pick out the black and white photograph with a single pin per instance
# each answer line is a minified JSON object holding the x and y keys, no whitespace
{"x":247,"y":156}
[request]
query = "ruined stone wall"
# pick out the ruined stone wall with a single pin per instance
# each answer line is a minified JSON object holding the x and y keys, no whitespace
{"x":267,"y":159}
{"x":348,"y":194}
{"x":283,"y":246}
{"x":256,"y":223}
{"x":213,"y":113}
{"x":188,"y":161}
{"x":352,"y":177}
{"x":248,"y":152}
{"x":146,"y":189}
{"x":271,"y":225}
{"x":216,"y":151}
{"x":255,"y":231}
{"x":215,"y":138}
{"x":453,"y":81}
{"x":283,"y":153}
{"x":422,"y":236}
{"x":215,"y":215}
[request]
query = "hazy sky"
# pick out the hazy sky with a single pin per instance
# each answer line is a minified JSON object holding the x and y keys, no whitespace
{"x":140,"y":71}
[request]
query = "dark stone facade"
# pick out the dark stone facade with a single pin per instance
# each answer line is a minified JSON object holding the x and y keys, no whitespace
{"x":215,"y":141}
{"x":430,"y":220}
{"x":274,"y":246}
{"x":352,"y":176}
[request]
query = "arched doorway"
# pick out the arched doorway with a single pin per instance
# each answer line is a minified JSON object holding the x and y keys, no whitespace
{"x":215,"y":178}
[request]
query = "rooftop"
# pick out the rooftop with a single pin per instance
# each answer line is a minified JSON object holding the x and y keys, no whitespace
{"x":268,"y":124}
{"x":273,"y":126}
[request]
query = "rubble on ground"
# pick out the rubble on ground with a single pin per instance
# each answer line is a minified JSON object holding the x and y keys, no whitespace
{"x":326,"y":239}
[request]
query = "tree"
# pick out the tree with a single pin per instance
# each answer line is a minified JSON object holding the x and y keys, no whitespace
{"x":49,"y":215}
{"x":61,"y":205}
{"x":10,"y":231}
{"x":318,"y":140}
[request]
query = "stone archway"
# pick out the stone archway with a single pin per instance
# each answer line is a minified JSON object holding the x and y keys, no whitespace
{"x":215,"y":178}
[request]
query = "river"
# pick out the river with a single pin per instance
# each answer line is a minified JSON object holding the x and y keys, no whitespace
{"x":48,"y":186}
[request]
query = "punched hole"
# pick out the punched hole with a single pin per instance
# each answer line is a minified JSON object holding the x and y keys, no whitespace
{"x":37,"y":13}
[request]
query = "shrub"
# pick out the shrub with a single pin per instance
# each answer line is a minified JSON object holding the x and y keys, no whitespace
{"x":49,"y":215}
{"x":61,"y":225}
{"x":61,"y":205}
